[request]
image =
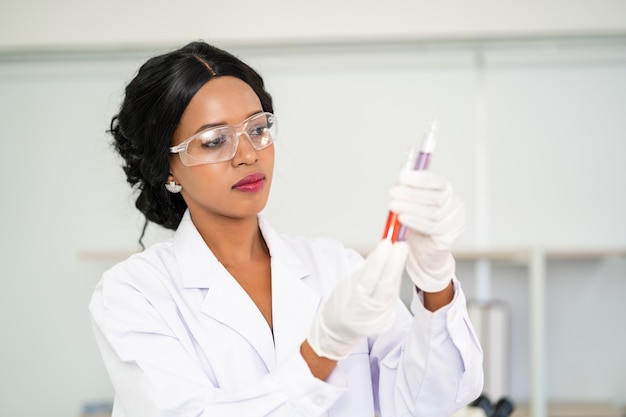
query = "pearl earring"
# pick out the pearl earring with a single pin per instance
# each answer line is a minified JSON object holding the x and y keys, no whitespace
{"x":172,"y":187}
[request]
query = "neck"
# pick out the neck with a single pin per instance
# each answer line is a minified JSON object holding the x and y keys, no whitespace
{"x":232,"y":241}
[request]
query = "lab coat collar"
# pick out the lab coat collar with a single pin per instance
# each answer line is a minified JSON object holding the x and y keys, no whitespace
{"x":199,"y":266}
{"x":294,"y":303}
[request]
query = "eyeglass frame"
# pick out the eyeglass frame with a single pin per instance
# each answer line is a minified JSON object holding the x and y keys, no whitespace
{"x":182,"y":147}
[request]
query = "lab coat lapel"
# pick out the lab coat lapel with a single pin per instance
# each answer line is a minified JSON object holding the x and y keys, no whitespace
{"x":293,"y":308}
{"x":294,"y":303}
{"x":226,"y":301}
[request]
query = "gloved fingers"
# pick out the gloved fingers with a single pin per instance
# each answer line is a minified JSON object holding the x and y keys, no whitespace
{"x":390,"y":279}
{"x":428,"y":202}
{"x":423,"y":246}
{"x":382,"y":268}
{"x":397,"y":259}
{"x":423,"y":220}
{"x":367,"y":276}
{"x":413,"y":199}
{"x":449,"y":222}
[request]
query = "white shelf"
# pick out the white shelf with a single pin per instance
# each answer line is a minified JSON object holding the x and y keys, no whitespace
{"x":104,"y":255}
{"x":524,"y":255}
{"x":569,"y":409}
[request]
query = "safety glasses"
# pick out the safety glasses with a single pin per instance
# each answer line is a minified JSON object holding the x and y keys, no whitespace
{"x":219,"y":144}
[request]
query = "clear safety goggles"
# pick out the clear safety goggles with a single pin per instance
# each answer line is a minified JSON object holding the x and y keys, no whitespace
{"x":219,"y":144}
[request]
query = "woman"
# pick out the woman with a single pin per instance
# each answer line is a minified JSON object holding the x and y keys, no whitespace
{"x":230,"y":318}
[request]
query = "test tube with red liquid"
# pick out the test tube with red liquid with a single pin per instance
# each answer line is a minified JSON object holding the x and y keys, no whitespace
{"x":417,"y":160}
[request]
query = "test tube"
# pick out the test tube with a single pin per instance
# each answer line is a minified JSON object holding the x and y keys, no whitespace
{"x":418,"y":159}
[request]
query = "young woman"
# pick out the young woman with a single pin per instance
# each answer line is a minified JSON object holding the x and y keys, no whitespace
{"x":231,"y":318}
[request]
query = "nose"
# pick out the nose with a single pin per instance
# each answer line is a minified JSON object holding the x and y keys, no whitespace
{"x":245,"y":154}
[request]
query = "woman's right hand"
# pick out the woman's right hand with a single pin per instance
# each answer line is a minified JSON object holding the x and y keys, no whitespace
{"x":362,"y":305}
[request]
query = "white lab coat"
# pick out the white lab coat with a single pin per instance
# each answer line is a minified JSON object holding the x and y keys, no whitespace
{"x":180,"y":337}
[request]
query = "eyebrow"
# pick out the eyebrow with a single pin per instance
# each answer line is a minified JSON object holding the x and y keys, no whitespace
{"x":210,"y":125}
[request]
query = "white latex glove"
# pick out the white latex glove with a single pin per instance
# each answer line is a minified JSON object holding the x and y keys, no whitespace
{"x":362,"y":305}
{"x":427,"y":205}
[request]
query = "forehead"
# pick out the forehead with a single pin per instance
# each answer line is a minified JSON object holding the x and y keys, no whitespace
{"x":222,"y":100}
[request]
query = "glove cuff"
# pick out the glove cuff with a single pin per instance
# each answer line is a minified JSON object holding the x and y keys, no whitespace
{"x":431,"y":281}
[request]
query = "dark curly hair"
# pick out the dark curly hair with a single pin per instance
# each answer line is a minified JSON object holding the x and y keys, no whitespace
{"x":153,"y":104}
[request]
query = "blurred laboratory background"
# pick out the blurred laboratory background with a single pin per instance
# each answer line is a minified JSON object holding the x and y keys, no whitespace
{"x":531,"y":102}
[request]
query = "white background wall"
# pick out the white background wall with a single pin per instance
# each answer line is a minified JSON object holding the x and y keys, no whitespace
{"x":71,"y":23}
{"x":530,"y":97}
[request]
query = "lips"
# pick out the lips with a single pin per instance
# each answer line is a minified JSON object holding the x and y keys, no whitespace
{"x":250,"y":183}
